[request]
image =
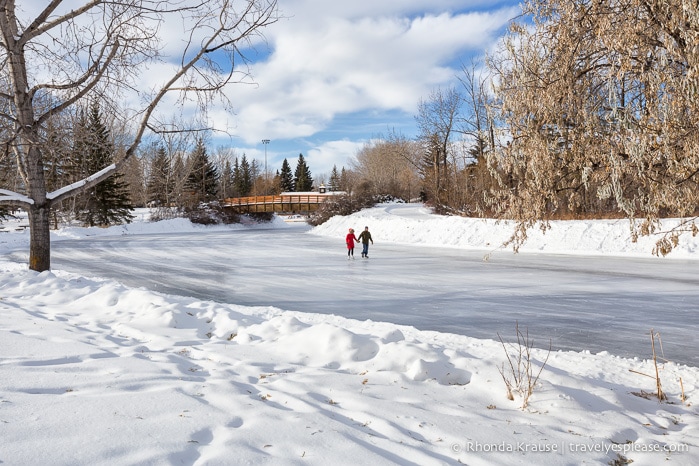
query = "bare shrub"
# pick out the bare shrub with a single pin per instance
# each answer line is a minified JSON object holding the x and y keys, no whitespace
{"x":211,"y":213}
{"x":521,"y":375}
{"x":344,"y":204}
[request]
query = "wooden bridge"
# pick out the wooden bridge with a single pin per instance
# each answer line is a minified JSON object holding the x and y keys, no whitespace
{"x":285,"y":202}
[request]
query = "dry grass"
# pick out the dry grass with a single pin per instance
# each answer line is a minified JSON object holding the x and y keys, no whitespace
{"x":658,"y":385}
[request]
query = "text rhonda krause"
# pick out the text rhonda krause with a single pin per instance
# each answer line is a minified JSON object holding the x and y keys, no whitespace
{"x":524,"y":447}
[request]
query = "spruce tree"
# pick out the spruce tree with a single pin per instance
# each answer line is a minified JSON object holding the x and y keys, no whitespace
{"x":277,"y":183}
{"x":76,"y":164}
{"x":302,"y":177}
{"x":334,"y":179}
{"x":106,"y":203}
{"x":236,"y":178}
{"x":202,"y":181}
{"x":159,"y":185}
{"x":8,"y":178}
{"x":6,"y":168}
{"x":286,"y":178}
{"x":255,"y":178}
{"x":56,"y":155}
{"x":243,"y":180}
{"x":179,"y":179}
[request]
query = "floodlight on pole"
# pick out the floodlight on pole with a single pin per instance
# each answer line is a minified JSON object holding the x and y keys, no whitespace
{"x":265,"y":142}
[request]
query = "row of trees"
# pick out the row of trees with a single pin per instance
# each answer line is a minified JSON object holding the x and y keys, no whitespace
{"x":187,"y":180}
{"x":187,"y":183}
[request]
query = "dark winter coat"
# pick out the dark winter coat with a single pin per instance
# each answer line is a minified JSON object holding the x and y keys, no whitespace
{"x":365,"y":237}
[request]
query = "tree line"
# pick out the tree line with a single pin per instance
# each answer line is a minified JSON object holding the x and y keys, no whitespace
{"x":179,"y":183}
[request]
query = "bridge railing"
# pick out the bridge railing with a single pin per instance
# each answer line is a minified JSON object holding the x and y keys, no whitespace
{"x":249,"y":200}
{"x":279,"y":203}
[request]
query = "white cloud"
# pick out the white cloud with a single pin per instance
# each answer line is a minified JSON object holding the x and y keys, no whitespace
{"x":332,"y":153}
{"x":324,"y":65}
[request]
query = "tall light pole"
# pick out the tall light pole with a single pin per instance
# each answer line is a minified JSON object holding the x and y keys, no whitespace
{"x":265,"y":142}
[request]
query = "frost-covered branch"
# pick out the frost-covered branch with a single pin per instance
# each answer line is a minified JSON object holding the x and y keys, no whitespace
{"x":14,"y":199}
{"x":81,"y":185}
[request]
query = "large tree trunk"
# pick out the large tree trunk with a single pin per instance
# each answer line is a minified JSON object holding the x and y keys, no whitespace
{"x":39,"y":238}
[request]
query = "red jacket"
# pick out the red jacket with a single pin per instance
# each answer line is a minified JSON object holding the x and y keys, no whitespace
{"x":350,"y":239}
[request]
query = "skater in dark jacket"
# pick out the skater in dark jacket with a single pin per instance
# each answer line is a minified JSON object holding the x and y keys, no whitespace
{"x":350,"y":240}
{"x":365,"y":237}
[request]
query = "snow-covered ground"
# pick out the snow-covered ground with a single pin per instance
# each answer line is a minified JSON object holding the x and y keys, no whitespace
{"x":93,"y":372}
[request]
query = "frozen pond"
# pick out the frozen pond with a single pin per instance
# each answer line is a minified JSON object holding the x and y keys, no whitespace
{"x":579,"y":302}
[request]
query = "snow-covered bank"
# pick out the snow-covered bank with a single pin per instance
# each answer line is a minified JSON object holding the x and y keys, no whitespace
{"x":414,"y":224}
{"x":93,"y":372}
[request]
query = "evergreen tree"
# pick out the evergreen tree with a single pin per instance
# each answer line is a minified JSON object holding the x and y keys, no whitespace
{"x":478,"y":149}
{"x":159,"y":184}
{"x":276,"y":183}
{"x":179,"y":179}
{"x":302,"y":177}
{"x":9,"y":178}
{"x":345,"y":180}
{"x":286,"y":178}
{"x":334,"y":179}
{"x":202,"y":181}
{"x":254,"y":177}
{"x":236,"y":178}
{"x":7,"y":171}
{"x":106,"y":203}
{"x":56,"y":155}
{"x":243,"y":179}
{"x":245,"y":176}
{"x":76,"y":165}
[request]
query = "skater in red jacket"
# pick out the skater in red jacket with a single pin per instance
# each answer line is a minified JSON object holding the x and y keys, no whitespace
{"x":350,"y":239}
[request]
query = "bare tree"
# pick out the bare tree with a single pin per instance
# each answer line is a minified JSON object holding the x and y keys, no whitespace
{"x":437,"y":120}
{"x":54,"y":58}
{"x":600,"y":101}
{"x":177,"y":145}
{"x":475,"y":122}
{"x":389,"y":166}
{"x":223,"y":159}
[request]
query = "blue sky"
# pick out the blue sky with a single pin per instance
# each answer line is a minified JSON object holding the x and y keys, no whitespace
{"x":333,"y":75}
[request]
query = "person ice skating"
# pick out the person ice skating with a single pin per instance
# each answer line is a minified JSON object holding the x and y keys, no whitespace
{"x":350,"y":239}
{"x":365,"y":237}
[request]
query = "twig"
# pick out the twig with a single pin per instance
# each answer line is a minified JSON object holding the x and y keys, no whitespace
{"x":682,"y":388}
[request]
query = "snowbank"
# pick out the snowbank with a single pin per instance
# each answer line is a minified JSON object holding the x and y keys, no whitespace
{"x":403,"y":223}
